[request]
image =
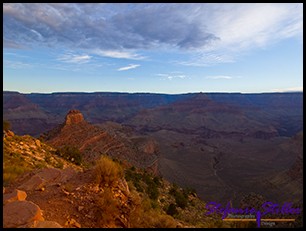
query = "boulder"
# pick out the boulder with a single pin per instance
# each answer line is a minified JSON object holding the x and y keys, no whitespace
{"x":17,"y":195}
{"x":20,"y":213}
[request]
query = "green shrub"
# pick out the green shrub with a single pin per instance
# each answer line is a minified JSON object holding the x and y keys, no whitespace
{"x":180,"y":200}
{"x":59,"y":164}
{"x":70,"y":153}
{"x":145,"y":216}
{"x":171,"y":210}
{"x":152,"y":191}
{"x":138,"y":187}
{"x":180,"y":197}
{"x":134,"y":177}
{"x":173,"y":189}
{"x":157,"y":181}
{"x":107,"y":171}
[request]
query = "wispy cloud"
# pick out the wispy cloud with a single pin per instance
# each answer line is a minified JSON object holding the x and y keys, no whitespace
{"x":173,"y":75}
{"x":39,"y":36}
{"x":219,"y":77}
{"x":15,"y":54}
{"x":208,"y":58}
{"x":71,"y":58}
{"x":118,"y":54}
{"x":16,"y":64}
{"x":131,"y":66}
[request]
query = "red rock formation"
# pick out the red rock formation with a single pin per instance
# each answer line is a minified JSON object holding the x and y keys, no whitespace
{"x":92,"y":141}
{"x":74,"y":117}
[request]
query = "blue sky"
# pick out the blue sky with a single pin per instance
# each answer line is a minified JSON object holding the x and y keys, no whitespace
{"x":161,"y":48}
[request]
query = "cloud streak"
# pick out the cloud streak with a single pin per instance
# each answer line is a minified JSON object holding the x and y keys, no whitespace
{"x":173,"y":75}
{"x":219,"y":77}
{"x":118,"y":54}
{"x":77,"y":59}
{"x":131,"y":66}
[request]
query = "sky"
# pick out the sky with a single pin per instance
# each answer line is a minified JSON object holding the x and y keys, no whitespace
{"x":159,"y":48}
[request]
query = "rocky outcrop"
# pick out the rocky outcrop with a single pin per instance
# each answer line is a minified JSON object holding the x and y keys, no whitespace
{"x":92,"y":141}
{"x":47,"y":176}
{"x":32,"y":153}
{"x":74,"y":117}
{"x":19,"y":214}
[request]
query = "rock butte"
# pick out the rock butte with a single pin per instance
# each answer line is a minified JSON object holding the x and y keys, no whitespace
{"x":74,"y":117}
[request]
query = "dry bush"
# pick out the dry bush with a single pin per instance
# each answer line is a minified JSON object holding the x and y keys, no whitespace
{"x":107,"y":209}
{"x":144,"y":216}
{"x":164,"y":221}
{"x":107,"y":171}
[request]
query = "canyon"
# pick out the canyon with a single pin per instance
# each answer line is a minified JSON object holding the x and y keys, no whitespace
{"x":224,"y":145}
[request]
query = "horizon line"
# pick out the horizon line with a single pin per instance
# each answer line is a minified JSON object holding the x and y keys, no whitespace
{"x":157,"y":93}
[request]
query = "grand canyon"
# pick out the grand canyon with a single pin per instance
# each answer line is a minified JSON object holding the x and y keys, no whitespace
{"x":142,"y":115}
{"x":225,"y":145}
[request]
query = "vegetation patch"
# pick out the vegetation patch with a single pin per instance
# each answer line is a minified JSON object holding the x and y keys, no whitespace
{"x":70,"y":153}
{"x":107,"y":171}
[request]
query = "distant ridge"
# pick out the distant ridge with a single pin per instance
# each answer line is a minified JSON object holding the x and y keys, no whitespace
{"x":35,"y":113}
